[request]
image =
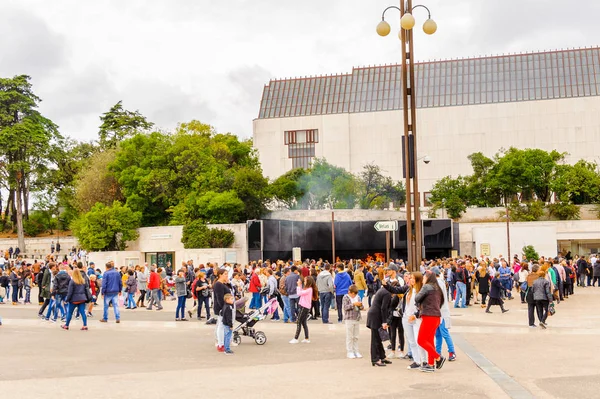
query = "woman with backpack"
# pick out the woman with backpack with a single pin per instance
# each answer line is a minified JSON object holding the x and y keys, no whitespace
{"x":77,"y":296}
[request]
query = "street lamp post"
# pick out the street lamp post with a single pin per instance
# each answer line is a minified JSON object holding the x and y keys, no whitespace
{"x":407,"y":22}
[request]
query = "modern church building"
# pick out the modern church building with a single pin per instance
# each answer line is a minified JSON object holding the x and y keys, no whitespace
{"x":548,"y":100}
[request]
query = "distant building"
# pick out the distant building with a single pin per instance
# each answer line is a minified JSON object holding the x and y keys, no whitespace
{"x":548,"y":100}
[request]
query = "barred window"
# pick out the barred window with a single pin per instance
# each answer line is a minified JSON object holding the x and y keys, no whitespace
{"x":301,"y":146}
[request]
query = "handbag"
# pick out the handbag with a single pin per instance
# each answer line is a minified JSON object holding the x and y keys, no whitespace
{"x":551,"y":309}
{"x":384,"y":334}
{"x":523,"y":285}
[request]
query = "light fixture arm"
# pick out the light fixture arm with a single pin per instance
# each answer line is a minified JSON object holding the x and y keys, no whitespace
{"x":420,"y":5}
{"x":408,"y":11}
{"x":384,"y":11}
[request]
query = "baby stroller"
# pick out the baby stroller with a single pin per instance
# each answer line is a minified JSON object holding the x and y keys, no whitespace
{"x":248,"y":320}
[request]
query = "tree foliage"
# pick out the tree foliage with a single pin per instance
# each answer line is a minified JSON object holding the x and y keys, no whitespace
{"x":96,"y":184}
{"x":118,"y":124}
{"x":530,"y":253}
{"x":450,"y":194}
{"x":197,"y":234}
{"x":107,"y":228}
{"x":564,"y":211}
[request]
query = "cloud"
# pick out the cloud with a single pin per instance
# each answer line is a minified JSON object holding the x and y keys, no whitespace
{"x":28,"y":45}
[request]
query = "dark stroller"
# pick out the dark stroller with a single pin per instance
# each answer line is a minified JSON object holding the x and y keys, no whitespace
{"x":248,"y":321}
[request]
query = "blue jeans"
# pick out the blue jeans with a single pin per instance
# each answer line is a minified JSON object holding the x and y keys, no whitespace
{"x":326,"y":298}
{"x":180,"y":306}
{"x":286,"y":308}
{"x":361,"y":294}
{"x":27,"y":294}
{"x":507,"y":284}
{"x":114,"y":299}
{"x":131,"y":301}
{"x":227,"y":340}
{"x":461,"y":294}
{"x":442,"y":332}
{"x":255,"y":301}
{"x":80,"y":308}
{"x":56,"y":304}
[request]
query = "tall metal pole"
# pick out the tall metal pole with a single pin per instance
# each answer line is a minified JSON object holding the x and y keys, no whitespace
{"x":407,"y":164}
{"x":333,"y":237}
{"x":414,"y":235}
{"x":508,"y":235}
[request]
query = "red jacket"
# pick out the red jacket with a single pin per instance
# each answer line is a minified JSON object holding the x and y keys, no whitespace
{"x":255,"y":285}
{"x":154,"y":281}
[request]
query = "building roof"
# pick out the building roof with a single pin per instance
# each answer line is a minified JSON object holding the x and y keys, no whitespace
{"x":486,"y":80}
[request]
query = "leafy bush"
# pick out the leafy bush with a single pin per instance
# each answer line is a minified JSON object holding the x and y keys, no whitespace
{"x":530,"y":253}
{"x":198,"y":235}
{"x":33,"y":228}
{"x":564,"y":211}
{"x":39,"y":222}
{"x":529,"y":212}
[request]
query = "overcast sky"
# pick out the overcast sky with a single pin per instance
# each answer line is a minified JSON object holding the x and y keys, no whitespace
{"x":179,"y":60}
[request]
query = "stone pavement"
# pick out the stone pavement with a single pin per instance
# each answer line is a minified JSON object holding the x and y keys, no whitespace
{"x":149,"y":355}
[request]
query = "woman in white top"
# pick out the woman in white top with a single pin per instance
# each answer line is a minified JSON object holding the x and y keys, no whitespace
{"x":411,"y":323}
{"x":523,"y":273}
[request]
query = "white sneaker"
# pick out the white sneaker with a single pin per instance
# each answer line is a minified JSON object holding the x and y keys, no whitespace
{"x":294,"y":341}
{"x":390,"y":355}
{"x":306,"y":341}
{"x":358,"y":355}
{"x":351,"y":355}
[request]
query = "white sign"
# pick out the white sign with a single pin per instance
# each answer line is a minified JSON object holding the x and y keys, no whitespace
{"x":297,"y":254}
{"x":388,"y":225}
{"x":160,"y":236}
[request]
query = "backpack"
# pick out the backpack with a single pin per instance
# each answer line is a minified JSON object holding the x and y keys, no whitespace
{"x":194,"y":288}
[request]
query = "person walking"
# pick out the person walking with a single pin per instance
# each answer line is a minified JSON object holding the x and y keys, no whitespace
{"x":442,"y":333}
{"x":291,"y":287}
{"x":154,"y":288}
{"x":352,"y":306}
{"x":523,"y":274}
{"x":341,"y":282}
{"x":220,"y":288}
{"x":542,"y":295}
{"x":483,"y":279}
{"x":131,"y":290}
{"x":531,"y":310}
{"x":306,"y":295}
{"x":284,"y":295}
{"x":496,"y":294}
{"x":377,"y":319}
{"x":142,"y":283}
{"x":46,"y":287}
{"x":111,"y":290}
{"x":460,"y":281}
{"x":77,"y":296}
{"x":181,"y":292}
{"x":430,"y":300}
{"x":273,"y":291}
{"x":325,"y":287}
{"x":14,"y":279}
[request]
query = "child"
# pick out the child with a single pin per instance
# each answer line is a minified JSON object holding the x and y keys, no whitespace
{"x":352,"y":306}
{"x":306,"y":296}
{"x":94,"y":291}
{"x":227,"y":315}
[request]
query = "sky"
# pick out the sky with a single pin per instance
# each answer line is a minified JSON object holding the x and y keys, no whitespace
{"x":209,"y":60}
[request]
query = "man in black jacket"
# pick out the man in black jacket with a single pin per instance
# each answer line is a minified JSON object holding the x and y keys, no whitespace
{"x":220,"y":288}
{"x":581,"y":271}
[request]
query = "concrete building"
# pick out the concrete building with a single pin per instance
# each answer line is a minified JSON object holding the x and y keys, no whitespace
{"x":546,"y":100}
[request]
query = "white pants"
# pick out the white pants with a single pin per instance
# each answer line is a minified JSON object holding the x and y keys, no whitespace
{"x":412,"y":332}
{"x":220,"y":332}
{"x":352,"y":336}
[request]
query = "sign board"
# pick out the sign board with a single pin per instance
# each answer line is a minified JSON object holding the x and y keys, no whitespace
{"x":387,"y":225}
{"x":297,"y":254}
{"x":454,"y":253}
{"x":485,"y":249}
{"x":230,"y":257}
{"x":160,"y":236}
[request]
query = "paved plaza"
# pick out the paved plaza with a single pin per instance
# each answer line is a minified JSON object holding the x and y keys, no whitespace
{"x":149,"y":355}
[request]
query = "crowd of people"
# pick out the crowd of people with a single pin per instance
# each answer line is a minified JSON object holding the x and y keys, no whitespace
{"x":411,"y":310}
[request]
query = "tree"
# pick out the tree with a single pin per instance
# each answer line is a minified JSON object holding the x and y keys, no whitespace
{"x":197,"y":234}
{"x":107,"y":228}
{"x":286,"y":189}
{"x":530,"y":253}
{"x":377,"y":190}
{"x":451,"y":195}
{"x":328,"y":187}
{"x":25,"y":136}
{"x":95,"y":183}
{"x":118,"y":124}
{"x":579,"y":183}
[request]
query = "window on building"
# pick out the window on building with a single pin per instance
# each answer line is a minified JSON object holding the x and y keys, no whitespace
{"x":301,"y":146}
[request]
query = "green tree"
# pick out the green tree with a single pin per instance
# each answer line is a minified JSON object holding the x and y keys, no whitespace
{"x":25,"y":137}
{"x":530,"y":253}
{"x":328,"y":187}
{"x":107,"y":228}
{"x":197,"y":234}
{"x":564,"y":211}
{"x":95,"y":183}
{"x":119,"y":123}
{"x":525,"y":212}
{"x":450,"y":194}
{"x":286,"y":189}
{"x":377,"y":190}
{"x":579,"y":183}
